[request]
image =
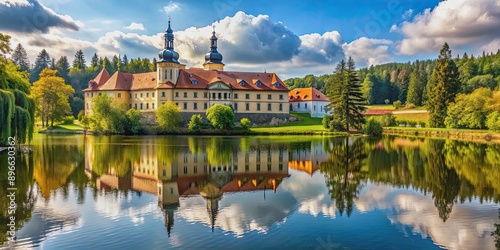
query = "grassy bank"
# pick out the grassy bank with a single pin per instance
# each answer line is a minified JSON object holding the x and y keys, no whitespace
{"x":75,"y":128}
{"x":455,"y":134}
{"x":307,"y":125}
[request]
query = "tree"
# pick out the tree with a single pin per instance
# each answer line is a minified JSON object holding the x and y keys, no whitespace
{"x":106,"y":118}
{"x":94,"y":63}
{"x":168,"y":116}
{"x":62,"y":67}
{"x":79,"y":61}
{"x":133,"y":121}
{"x":16,"y":108}
{"x":493,"y":121}
{"x":195,"y":123}
{"x":42,"y":61}
{"x":369,"y":88}
{"x":346,"y":98}
{"x":469,"y":111}
{"x":416,"y":87}
{"x":442,"y":88}
{"x":51,"y":97}
{"x":482,"y":81}
{"x":20,"y":58}
{"x":220,"y":116}
{"x":402,"y":83}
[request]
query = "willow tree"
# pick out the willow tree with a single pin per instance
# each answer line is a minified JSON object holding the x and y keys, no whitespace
{"x":16,"y":108}
{"x":51,"y":96}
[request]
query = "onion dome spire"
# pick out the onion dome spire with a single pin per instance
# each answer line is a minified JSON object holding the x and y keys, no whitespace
{"x":168,"y":54}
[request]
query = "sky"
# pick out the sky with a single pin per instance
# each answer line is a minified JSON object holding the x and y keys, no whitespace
{"x":288,"y":37}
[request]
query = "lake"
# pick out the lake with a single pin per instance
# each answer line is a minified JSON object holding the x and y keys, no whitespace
{"x":269,"y":192}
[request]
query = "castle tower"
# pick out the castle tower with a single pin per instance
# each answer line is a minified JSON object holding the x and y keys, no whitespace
{"x":213,"y":59}
{"x":168,"y":66}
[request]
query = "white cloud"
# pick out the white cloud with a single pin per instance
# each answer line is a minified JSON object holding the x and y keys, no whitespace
{"x":394,"y":28}
{"x":135,"y":26}
{"x":368,"y":51}
{"x":407,"y":14}
{"x":172,"y":7}
{"x":458,"y":22}
{"x":468,"y":226}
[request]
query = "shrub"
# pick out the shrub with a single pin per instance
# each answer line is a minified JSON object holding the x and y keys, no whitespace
{"x":168,"y":116}
{"x":422,"y":124}
{"x":326,"y":121}
{"x":245,"y":123}
{"x":388,"y":120}
{"x":195,"y":123}
{"x":397,"y":104}
{"x":410,"y":106}
{"x":68,"y":120}
{"x":387,"y":101}
{"x":372,"y":127}
{"x":336,"y":126}
{"x":493,"y":121}
{"x":220,"y":116}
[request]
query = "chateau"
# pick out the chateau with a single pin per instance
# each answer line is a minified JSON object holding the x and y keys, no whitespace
{"x":193,"y":90}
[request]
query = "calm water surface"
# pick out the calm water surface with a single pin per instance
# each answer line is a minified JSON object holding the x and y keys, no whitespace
{"x":119,"y":192}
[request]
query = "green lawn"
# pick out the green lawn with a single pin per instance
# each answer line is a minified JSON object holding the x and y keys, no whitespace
{"x":65,"y":127}
{"x":306,"y":124}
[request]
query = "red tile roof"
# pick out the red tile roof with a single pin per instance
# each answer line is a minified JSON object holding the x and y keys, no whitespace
{"x":193,"y":78}
{"x":306,"y":94}
{"x":99,"y":80}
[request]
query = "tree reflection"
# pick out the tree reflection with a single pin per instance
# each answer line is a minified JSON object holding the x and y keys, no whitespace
{"x":219,"y":151}
{"x":443,"y":181}
{"x":343,"y":172}
{"x":25,"y":194}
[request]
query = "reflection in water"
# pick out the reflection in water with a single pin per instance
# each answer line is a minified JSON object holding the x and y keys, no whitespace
{"x":343,"y":172}
{"x":443,"y":189}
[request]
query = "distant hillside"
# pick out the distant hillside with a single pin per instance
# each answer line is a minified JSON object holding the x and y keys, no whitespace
{"x":407,"y":81}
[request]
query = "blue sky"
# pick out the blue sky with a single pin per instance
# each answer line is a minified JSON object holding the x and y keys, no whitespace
{"x":292,"y":38}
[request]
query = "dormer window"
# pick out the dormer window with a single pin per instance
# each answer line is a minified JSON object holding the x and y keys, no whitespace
{"x":258,"y":83}
{"x":296,"y":92}
{"x":190,"y":75}
{"x":305,"y":96}
{"x":194,"y":82}
{"x":242,"y":83}
{"x":276,"y":85}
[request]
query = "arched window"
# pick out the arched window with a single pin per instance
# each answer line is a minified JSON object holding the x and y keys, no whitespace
{"x":170,"y":74}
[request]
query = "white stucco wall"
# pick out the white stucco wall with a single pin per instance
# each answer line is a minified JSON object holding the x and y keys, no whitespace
{"x":315,"y":108}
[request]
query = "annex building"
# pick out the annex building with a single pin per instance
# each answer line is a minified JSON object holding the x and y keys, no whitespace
{"x":194,"y":90}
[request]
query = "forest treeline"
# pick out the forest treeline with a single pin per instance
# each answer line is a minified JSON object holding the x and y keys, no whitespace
{"x":407,"y":82}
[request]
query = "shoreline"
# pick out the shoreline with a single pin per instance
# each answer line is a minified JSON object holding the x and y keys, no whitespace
{"x":453,"y":134}
{"x":211,"y":132}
